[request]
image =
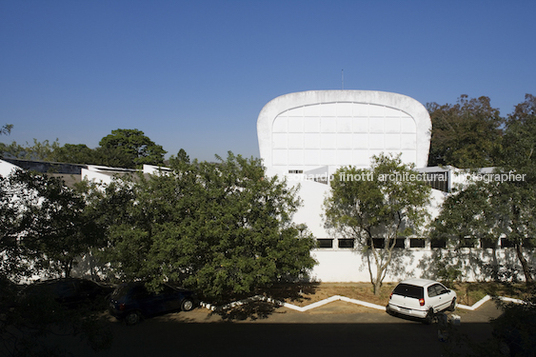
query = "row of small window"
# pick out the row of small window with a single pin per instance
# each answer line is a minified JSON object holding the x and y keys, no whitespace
{"x":328,"y":243}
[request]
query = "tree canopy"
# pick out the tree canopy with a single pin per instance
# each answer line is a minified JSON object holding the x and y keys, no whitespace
{"x":133,"y":144}
{"x":467,"y":134}
{"x":376,"y":206}
{"x":500,"y":209}
{"x":222,"y":228}
{"x":6,"y":129}
{"x":46,"y":227}
{"x":126,"y":148}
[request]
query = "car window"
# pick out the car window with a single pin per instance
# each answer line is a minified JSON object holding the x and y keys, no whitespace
{"x":441,"y":289}
{"x":167,"y":290}
{"x":438,"y":290}
{"x":86,"y":285}
{"x":408,"y":290}
{"x":121,"y":290}
{"x":432,"y":291}
{"x":139,"y":292}
{"x":65,"y":288}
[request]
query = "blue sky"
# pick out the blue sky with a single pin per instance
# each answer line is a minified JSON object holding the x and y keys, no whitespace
{"x":196,"y":74}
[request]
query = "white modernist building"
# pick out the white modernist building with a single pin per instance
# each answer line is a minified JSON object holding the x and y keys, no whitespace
{"x":318,"y":131}
{"x":306,"y":136}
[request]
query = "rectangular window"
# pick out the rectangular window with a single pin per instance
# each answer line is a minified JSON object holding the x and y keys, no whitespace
{"x":400,"y":243}
{"x":438,"y":180}
{"x":417,"y":242}
{"x":324,"y":243}
{"x":378,"y":242}
{"x":467,"y":243}
{"x":438,"y":243}
{"x":346,"y":243}
{"x":408,"y":290}
{"x":505,"y":243}
{"x":487,"y":243}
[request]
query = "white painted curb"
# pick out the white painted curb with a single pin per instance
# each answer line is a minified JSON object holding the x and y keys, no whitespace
{"x":338,"y":298}
{"x":488,"y":298}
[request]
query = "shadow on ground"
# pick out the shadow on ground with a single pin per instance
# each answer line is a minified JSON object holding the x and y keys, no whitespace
{"x":172,"y":338}
{"x":258,"y":309}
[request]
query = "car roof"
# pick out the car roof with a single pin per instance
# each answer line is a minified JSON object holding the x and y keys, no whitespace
{"x":418,"y":282}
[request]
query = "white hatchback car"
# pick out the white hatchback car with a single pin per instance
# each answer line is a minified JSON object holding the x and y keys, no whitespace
{"x":421,"y":298}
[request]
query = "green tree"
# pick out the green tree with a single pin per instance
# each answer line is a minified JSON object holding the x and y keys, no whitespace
{"x":520,"y":138}
{"x":222,"y":228}
{"x":6,"y":129}
{"x":13,"y":265}
{"x":486,"y":212}
{"x":465,"y":135}
{"x":183,"y":156}
{"x":50,"y":227}
{"x":133,"y":143}
{"x":42,"y":151}
{"x":76,"y":154}
{"x":500,"y":208}
{"x":377,"y":205}
{"x":518,"y":197}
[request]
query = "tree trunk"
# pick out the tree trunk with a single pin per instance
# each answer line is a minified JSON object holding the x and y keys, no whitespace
{"x":524,"y":264}
{"x":376,"y":285}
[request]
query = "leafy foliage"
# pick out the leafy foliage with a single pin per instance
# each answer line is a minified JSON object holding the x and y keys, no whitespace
{"x":465,"y":135}
{"x":76,"y":154}
{"x":221,"y":228}
{"x":366,"y":204}
{"x":133,"y":144}
{"x":46,"y":226}
{"x":6,"y":129}
{"x":42,"y":151}
{"x":490,"y":210}
{"x":127,"y":148}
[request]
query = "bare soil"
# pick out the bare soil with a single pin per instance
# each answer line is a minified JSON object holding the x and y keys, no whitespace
{"x":468,"y":293}
{"x":359,"y":291}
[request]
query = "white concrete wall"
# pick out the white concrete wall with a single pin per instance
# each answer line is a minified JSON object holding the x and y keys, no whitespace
{"x":6,"y":168}
{"x":307,"y":130}
{"x":311,"y":212}
{"x":91,"y":174}
{"x":348,"y":265}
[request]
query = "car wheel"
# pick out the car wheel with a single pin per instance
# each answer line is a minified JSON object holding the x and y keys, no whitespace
{"x":187,"y":305}
{"x":429,"y":317}
{"x":452,"y":306}
{"x":133,"y":318}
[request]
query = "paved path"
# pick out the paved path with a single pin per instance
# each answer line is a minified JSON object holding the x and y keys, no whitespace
{"x":336,"y":329}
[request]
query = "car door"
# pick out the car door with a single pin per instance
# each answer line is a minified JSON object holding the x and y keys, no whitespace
{"x":433,"y":297}
{"x":445,"y":298}
{"x":438,"y":297}
{"x":170,"y":299}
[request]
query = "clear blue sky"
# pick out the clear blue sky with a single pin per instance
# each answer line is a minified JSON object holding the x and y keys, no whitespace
{"x":195,"y":74}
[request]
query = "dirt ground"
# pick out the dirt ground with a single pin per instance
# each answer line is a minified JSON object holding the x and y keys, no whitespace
{"x":468,"y":293}
{"x":359,"y":291}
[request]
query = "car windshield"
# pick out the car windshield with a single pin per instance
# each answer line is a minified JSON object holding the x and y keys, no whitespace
{"x":408,"y":290}
{"x":121,"y":290}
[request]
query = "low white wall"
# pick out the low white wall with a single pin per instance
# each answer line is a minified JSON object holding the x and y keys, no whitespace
{"x":349,"y":265}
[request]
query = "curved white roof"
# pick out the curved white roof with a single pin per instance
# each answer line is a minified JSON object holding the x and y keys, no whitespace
{"x":312,"y":129}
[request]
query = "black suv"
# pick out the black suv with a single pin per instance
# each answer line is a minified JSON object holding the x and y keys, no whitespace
{"x":132,"y":301}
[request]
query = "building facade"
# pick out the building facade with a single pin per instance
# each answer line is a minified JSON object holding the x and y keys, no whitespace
{"x":305,"y":137}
